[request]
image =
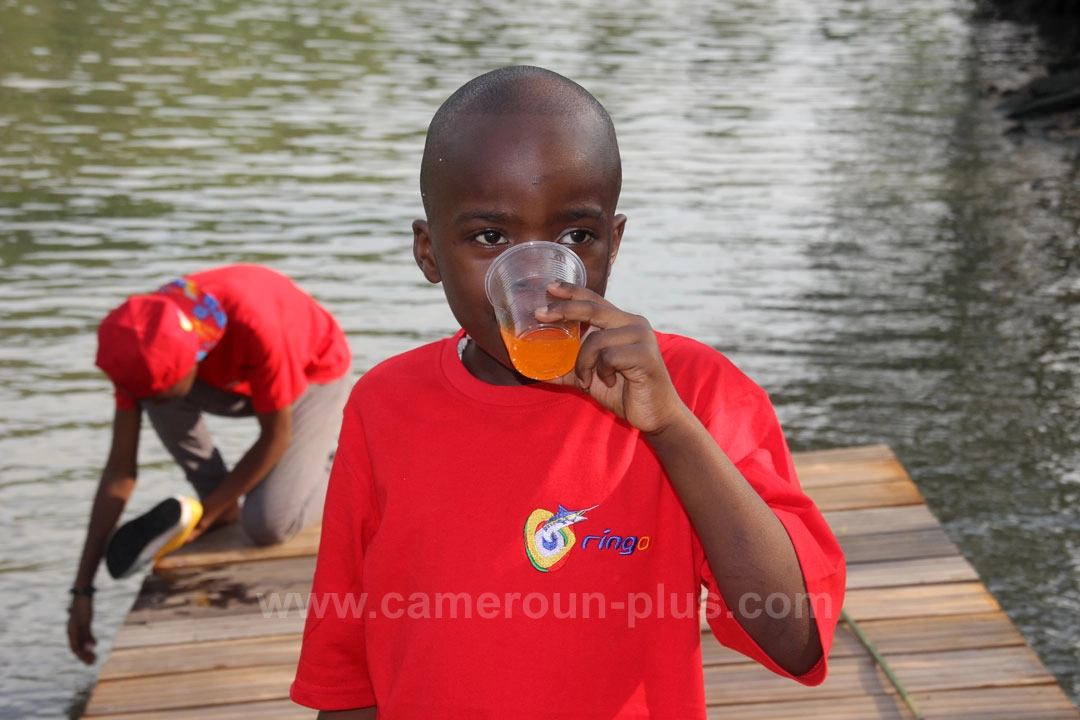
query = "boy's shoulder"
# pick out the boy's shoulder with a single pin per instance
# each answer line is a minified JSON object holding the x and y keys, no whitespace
{"x":685,"y":354}
{"x":402,"y":374}
{"x":697,"y":368}
{"x":424,"y":359}
{"x":681,"y":347}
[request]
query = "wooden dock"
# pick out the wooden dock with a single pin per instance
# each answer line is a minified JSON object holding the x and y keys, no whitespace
{"x":198,"y":644}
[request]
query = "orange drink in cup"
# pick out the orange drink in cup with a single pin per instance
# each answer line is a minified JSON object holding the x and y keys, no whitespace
{"x":516,"y":285}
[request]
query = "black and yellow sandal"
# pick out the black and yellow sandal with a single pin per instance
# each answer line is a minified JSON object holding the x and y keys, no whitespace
{"x":156,"y":532}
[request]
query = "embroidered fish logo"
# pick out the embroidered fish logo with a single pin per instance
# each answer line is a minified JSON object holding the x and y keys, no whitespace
{"x":548,"y":537}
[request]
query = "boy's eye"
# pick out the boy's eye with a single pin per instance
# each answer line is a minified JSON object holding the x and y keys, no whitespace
{"x":576,"y":237}
{"x":490,"y":238}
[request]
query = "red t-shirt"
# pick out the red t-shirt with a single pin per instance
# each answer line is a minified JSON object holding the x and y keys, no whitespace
{"x":441,"y":591}
{"x":277,"y":338}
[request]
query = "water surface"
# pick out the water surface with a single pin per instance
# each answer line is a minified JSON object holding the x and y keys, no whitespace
{"x":822,"y":191}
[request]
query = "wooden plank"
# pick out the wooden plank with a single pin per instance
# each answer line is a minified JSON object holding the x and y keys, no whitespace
{"x":919,"y":601}
{"x":848,"y":497}
{"x":749,"y":682}
{"x":874,"y":520}
{"x":902,"y":635}
{"x":980,"y":667}
{"x":1031,"y":702}
{"x":807,"y":459}
{"x":928,"y":634}
{"x":231,"y":544}
{"x":188,"y":657}
{"x":192,"y":690}
{"x":238,"y":588}
{"x":929,"y":543}
{"x":920,"y":571}
{"x":855,"y":676}
{"x":265,"y":710}
{"x":851,"y":474}
{"x":916,"y":601}
{"x":852,"y":707}
{"x":925,"y":601}
{"x":862,"y":465}
{"x":1037,"y":702}
{"x":229,"y":627}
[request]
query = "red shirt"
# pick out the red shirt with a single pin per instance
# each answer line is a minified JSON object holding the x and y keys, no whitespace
{"x":277,"y":338}
{"x":440,"y":593}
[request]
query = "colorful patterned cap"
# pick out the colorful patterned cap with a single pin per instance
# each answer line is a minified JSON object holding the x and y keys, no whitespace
{"x":151,"y":342}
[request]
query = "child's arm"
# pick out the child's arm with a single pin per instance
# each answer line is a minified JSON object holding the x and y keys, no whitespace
{"x":114,"y":489}
{"x":748,"y":549}
{"x":275,"y":434}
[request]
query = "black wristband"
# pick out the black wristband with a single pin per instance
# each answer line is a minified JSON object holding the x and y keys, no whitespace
{"x":88,"y":590}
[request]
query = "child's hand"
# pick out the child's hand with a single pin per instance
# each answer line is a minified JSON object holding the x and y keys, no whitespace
{"x":80,"y":637}
{"x":619,"y":364}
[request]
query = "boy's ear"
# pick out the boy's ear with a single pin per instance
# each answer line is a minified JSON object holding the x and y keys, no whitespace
{"x":616,"y":239}
{"x":423,"y":252}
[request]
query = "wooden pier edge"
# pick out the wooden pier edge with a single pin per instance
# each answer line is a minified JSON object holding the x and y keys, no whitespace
{"x":214,"y":632}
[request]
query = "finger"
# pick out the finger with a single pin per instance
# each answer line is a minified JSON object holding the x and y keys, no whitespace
{"x":586,"y":312}
{"x":580,"y":304}
{"x":629,"y":361}
{"x":82,"y":643}
{"x":571,"y":378}
{"x":583,"y":311}
{"x":568,"y":291}
{"x":88,"y":655}
{"x":602,"y":342}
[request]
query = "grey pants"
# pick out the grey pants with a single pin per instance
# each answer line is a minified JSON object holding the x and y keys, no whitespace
{"x":291,"y":496}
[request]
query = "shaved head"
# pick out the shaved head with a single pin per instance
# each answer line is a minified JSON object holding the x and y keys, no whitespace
{"x":519,"y":90}
{"x":517,"y":155}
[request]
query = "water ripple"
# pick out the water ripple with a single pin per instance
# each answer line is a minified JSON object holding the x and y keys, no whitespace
{"x":822,"y":183}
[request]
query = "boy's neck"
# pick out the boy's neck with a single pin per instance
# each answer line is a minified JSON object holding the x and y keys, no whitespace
{"x":485,"y":368}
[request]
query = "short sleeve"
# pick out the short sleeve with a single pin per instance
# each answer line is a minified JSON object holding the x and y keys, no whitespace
{"x":332,"y":673}
{"x":752,"y":438}
{"x":123,"y":402}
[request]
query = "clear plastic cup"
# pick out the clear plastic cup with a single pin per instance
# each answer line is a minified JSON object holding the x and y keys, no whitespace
{"x":516,"y":284}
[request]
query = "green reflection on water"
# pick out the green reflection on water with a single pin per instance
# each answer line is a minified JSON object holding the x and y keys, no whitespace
{"x":91,"y":92}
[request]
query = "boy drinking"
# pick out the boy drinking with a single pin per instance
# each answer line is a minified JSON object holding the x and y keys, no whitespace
{"x":496,"y":547}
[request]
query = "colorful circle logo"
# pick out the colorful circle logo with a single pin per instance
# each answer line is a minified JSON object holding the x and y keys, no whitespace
{"x":548,"y":537}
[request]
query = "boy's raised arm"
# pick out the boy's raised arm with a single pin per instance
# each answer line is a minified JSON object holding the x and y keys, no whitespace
{"x":747,"y":547}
